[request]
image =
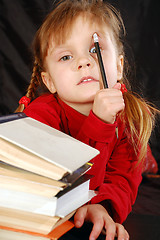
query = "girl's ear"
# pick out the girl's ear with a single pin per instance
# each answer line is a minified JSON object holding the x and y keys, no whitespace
{"x":48,"y":82}
{"x":120,"y":64}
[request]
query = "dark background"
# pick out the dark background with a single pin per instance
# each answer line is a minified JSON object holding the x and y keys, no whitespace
{"x":19,"y":20}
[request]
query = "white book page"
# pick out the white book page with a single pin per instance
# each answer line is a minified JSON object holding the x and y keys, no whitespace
{"x":74,"y":199}
{"x":47,"y":143}
{"x":11,"y":235}
{"x":53,"y":206}
{"x":28,"y":202}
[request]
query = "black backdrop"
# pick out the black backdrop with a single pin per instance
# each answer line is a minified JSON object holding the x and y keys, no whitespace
{"x":19,"y":19}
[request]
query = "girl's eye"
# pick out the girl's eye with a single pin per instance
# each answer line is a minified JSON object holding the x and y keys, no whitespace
{"x":92,"y":50}
{"x":65,"y":58}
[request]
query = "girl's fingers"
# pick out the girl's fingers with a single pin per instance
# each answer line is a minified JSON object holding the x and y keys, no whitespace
{"x":115,"y":229}
{"x":110,"y":231}
{"x":122,"y":233}
{"x":96,"y":230}
{"x":117,"y":86}
{"x":79,"y":217}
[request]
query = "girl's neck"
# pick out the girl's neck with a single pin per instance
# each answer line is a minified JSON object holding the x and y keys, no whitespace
{"x":83,"y":108}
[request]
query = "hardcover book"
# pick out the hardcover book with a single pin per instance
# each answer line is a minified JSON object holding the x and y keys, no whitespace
{"x":39,"y":148}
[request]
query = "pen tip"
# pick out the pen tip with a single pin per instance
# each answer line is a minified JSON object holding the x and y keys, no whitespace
{"x":95,"y":37}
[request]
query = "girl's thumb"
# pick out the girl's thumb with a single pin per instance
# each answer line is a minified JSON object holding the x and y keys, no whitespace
{"x":117,"y":86}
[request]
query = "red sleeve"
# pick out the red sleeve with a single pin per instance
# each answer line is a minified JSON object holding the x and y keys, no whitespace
{"x":116,"y":176}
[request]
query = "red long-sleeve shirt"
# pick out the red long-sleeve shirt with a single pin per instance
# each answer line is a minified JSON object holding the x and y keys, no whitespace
{"x":115,"y":175}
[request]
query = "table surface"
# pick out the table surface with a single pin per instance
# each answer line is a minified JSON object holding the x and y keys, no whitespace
{"x":143,"y":227}
{"x":140,"y":227}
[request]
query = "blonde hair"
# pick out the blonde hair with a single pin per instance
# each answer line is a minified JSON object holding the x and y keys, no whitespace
{"x":138,"y":116}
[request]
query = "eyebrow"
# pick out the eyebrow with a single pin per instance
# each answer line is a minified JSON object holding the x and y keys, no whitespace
{"x":58,"y":50}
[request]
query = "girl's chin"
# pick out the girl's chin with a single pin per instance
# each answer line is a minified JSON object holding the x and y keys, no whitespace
{"x":83,"y":98}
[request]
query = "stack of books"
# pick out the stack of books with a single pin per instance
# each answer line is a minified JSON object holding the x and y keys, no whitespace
{"x":43,"y":179}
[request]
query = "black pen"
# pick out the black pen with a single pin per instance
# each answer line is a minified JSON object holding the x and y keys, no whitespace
{"x":100,"y":61}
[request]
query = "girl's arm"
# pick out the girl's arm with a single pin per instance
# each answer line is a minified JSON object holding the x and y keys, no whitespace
{"x":116,"y":176}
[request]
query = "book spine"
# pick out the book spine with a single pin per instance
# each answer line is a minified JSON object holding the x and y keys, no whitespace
{"x":12,"y":117}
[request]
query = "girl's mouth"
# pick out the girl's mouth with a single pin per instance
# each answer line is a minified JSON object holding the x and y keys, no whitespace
{"x":87,"y":79}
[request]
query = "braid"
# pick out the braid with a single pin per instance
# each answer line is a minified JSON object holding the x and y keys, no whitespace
{"x":34,"y":84}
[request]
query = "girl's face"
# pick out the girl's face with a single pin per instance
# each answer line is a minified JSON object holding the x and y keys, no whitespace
{"x":73,"y":70}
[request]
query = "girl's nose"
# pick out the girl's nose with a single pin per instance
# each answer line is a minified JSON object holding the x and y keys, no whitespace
{"x":84,"y":63}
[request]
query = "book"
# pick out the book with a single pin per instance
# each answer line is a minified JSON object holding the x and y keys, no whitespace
{"x":30,"y":222}
{"x":61,"y":205}
{"x":39,"y":148}
{"x":18,"y":179}
{"x":21,"y":180}
{"x":7,"y":233}
{"x":42,"y":175}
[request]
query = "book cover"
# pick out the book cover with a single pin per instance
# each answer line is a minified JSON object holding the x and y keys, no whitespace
{"x":12,"y":117}
{"x":7,"y":233}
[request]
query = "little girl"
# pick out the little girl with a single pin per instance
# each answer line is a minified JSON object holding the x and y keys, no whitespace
{"x":67,"y":93}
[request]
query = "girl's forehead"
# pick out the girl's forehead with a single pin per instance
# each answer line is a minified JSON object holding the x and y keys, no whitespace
{"x":76,"y":25}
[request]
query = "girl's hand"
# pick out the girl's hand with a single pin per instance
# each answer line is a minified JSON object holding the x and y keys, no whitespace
{"x":108,"y":102}
{"x":100,"y":218}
